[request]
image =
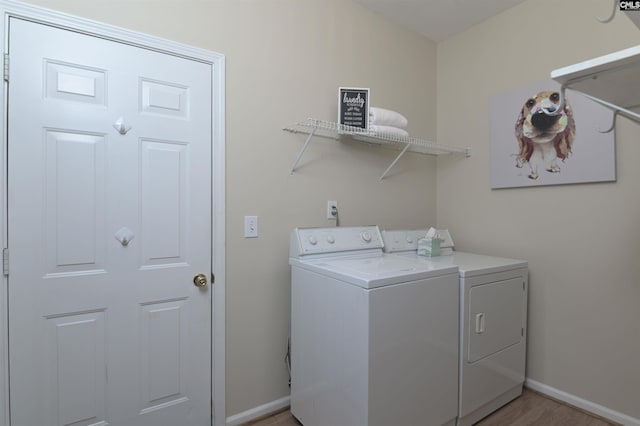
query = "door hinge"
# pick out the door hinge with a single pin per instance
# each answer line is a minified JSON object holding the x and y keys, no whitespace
{"x":5,"y":261}
{"x":213,"y":278}
{"x":6,"y":67}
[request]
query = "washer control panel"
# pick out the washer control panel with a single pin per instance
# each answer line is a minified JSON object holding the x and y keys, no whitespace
{"x":399,"y":240}
{"x":330,"y":240}
{"x":402,"y":240}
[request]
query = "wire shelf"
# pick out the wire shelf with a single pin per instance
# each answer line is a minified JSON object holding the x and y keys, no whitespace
{"x":314,"y":127}
{"x":336,"y":131}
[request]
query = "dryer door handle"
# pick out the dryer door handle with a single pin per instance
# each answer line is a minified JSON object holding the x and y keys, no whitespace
{"x":480,"y":323}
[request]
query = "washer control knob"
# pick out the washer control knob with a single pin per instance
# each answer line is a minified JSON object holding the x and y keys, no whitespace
{"x":312,"y":240}
{"x":366,"y":236}
{"x":409,"y":239}
{"x":331,"y":239}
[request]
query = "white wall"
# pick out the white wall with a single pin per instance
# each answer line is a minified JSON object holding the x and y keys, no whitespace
{"x":285,"y":61}
{"x":582,"y":241}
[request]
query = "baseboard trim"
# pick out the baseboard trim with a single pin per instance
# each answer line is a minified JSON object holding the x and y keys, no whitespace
{"x":599,"y":410}
{"x":589,"y":406}
{"x":259,"y":411}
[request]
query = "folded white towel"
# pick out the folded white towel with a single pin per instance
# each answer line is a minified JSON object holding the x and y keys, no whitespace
{"x":386,"y":117}
{"x":389,"y":130}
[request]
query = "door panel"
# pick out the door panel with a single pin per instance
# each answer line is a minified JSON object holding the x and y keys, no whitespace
{"x":76,"y":343}
{"x":496,"y":317}
{"x":75,"y":202}
{"x":75,"y":82}
{"x":164,"y":180}
{"x":164,"y":99}
{"x":109,"y":211}
{"x":163,"y":378}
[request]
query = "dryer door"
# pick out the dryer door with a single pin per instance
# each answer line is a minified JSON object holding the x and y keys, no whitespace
{"x":496,"y":317}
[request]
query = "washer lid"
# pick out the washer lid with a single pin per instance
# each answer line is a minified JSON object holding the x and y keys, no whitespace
{"x":375,"y":271}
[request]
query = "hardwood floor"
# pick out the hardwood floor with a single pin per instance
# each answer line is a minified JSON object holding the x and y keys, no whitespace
{"x":530,"y":409}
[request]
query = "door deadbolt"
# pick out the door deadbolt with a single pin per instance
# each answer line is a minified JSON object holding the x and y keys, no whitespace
{"x":200,"y":280}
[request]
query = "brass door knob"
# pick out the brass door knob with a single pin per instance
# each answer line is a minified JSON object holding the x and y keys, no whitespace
{"x":200,"y":280}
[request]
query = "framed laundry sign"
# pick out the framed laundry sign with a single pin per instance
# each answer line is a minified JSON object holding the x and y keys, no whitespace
{"x":353,"y":107}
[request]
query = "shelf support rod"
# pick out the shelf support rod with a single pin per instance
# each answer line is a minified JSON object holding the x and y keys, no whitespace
{"x":561,"y":103}
{"x":395,"y":161}
{"x":304,"y":147}
{"x":622,"y":111}
{"x":615,"y":118}
{"x":614,"y":5}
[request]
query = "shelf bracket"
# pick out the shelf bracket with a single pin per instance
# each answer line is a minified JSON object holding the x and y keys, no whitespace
{"x":395,"y":161}
{"x":614,"y":4}
{"x":618,"y":109}
{"x":558,"y":111}
{"x":615,"y":118}
{"x":304,"y":147}
{"x":613,"y":123}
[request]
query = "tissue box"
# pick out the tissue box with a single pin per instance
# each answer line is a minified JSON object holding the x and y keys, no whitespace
{"x":429,"y":247}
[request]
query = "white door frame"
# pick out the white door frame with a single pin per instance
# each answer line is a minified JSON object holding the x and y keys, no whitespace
{"x":11,"y":8}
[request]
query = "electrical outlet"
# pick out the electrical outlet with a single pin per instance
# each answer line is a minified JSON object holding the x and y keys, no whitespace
{"x":332,"y":210}
{"x":251,"y":226}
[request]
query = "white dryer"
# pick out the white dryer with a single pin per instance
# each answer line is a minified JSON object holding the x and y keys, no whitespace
{"x":493,"y":324}
{"x":374,"y":337}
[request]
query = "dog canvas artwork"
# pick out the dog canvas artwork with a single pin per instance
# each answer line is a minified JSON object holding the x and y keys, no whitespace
{"x":545,"y":134}
{"x":540,"y":137}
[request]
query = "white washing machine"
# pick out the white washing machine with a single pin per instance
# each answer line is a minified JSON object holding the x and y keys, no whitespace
{"x":374,"y":337}
{"x":493,"y":324}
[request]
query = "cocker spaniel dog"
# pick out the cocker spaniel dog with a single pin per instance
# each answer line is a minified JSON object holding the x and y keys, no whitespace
{"x":544,"y":134}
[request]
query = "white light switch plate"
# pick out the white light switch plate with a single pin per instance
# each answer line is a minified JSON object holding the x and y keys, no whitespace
{"x":251,"y":226}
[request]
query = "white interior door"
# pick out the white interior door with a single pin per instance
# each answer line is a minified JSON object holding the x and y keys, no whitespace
{"x":109,"y":220}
